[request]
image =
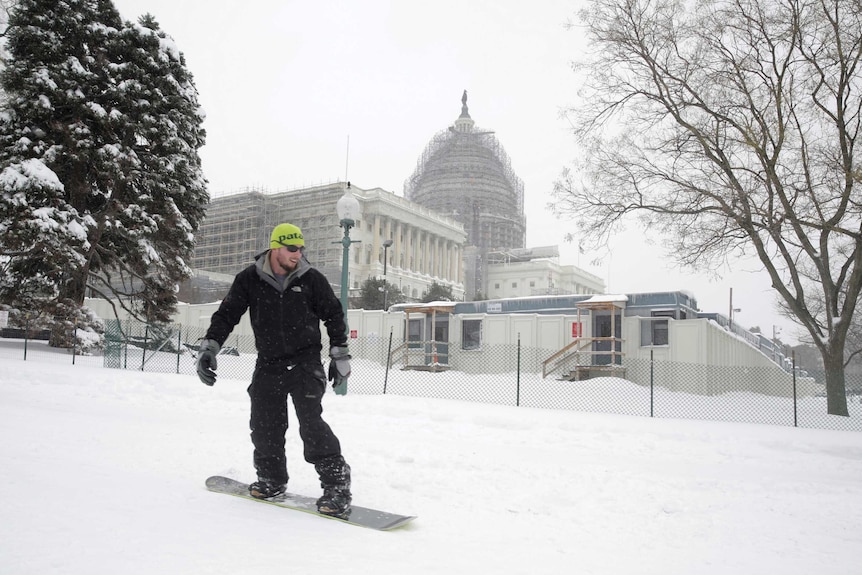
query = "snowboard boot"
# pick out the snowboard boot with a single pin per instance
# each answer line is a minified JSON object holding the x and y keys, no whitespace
{"x":334,"y":475}
{"x":335,"y":501}
{"x":265,"y":489}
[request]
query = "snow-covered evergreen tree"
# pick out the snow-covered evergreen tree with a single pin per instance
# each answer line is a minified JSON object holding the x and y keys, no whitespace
{"x":101,"y":188}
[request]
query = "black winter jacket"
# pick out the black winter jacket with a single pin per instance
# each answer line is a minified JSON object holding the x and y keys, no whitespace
{"x":285,"y":319}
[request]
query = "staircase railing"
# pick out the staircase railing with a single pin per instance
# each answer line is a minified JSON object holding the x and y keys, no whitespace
{"x":422,"y":353}
{"x":577,"y":348}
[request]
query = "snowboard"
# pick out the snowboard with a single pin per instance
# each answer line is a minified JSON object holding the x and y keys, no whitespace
{"x":370,"y":518}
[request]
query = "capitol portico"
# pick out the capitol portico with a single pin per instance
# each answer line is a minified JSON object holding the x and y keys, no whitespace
{"x":426,"y":247}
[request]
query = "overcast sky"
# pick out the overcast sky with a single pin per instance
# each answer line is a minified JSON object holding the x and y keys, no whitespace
{"x":286,"y":84}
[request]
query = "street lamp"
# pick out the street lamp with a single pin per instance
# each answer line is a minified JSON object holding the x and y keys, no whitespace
{"x":386,"y":245}
{"x":348,"y":211}
{"x":775,"y":331}
{"x":731,"y":312}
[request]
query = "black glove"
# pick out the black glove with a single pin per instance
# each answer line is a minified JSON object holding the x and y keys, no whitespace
{"x":207,"y":361}
{"x":339,"y":367}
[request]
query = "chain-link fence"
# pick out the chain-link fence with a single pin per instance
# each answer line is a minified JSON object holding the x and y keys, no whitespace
{"x":500,"y":374}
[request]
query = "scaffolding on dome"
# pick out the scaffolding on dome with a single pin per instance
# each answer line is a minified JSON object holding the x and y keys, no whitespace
{"x":464,"y":173}
{"x":445,"y":139}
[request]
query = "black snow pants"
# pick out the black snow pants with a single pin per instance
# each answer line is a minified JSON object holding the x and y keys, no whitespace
{"x":306,"y":384}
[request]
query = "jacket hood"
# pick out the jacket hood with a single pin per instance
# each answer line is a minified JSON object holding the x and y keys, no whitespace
{"x":264,"y":270}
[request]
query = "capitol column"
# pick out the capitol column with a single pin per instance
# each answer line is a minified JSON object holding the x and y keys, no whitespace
{"x":426,"y":253}
{"x":441,"y":254}
{"x":420,"y":252}
{"x":408,"y":250}
{"x":399,"y":227}
{"x":456,"y":263}
{"x":387,"y":229}
{"x":440,"y":259}
{"x":375,"y":243}
{"x":449,"y":257}
{"x":444,"y":273}
{"x":434,"y":259}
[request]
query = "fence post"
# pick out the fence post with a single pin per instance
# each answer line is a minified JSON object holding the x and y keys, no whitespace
{"x":793,"y":363}
{"x":180,"y":346}
{"x":651,"y":383}
{"x":26,"y":335}
{"x":74,"y":341}
{"x":518,"y":379}
{"x":144,"y":350}
{"x":388,"y":355}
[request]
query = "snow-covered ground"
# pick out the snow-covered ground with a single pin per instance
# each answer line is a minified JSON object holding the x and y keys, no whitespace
{"x":103,"y":472}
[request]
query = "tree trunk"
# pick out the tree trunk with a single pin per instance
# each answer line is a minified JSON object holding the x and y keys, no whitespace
{"x":836,"y":394}
{"x":68,"y":310}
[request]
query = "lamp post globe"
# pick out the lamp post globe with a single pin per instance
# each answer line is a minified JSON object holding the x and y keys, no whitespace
{"x":348,"y":210}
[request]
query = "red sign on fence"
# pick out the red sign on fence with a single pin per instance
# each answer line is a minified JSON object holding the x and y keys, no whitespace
{"x":353,"y":334}
{"x":577,"y":329}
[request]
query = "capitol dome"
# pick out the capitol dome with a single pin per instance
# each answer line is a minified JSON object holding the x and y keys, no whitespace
{"x":465,"y":173}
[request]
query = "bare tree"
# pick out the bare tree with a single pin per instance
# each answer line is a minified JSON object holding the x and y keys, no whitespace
{"x":730,"y":127}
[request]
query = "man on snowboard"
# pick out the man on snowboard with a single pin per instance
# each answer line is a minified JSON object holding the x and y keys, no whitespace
{"x":287,"y":299}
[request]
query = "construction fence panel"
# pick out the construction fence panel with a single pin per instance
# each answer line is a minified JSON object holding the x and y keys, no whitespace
{"x":499,"y":374}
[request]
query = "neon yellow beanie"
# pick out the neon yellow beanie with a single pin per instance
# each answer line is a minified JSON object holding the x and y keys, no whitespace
{"x":286,"y":235}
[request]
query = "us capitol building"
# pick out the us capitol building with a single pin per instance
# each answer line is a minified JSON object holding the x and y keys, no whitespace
{"x":460,"y":224}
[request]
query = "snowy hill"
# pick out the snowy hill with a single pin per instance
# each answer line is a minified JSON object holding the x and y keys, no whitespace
{"x":104,"y":473}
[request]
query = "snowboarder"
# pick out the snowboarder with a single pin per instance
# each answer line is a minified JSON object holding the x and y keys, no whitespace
{"x":287,"y":299}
